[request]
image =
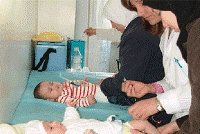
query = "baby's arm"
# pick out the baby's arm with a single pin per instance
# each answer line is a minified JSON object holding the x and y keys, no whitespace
{"x":71,"y":103}
{"x":84,"y":94}
{"x":86,"y":101}
{"x":82,"y":102}
{"x":66,"y":100}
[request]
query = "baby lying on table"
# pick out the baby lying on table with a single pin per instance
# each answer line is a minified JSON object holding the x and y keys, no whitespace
{"x":73,"y":124}
{"x":84,"y":92}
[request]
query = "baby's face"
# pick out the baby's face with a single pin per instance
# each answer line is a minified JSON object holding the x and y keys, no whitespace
{"x":51,"y":90}
{"x":54,"y":127}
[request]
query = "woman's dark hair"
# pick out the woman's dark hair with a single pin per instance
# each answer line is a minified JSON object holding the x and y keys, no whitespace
{"x":127,"y":4}
{"x":156,"y":29}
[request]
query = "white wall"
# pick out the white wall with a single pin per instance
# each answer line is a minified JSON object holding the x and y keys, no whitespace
{"x":57,"y":16}
{"x":18,"y":23}
{"x":81,"y":23}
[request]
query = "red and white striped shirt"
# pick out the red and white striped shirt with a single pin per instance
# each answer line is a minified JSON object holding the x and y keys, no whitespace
{"x":79,"y":93}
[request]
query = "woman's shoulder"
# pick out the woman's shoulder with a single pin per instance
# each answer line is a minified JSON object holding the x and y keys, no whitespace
{"x":137,"y":20}
{"x":135,"y":23}
{"x":135,"y":31}
{"x":136,"y":26}
{"x":132,"y":28}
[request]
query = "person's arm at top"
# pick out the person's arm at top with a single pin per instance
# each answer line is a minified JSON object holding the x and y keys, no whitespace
{"x":90,"y":31}
{"x":110,"y":34}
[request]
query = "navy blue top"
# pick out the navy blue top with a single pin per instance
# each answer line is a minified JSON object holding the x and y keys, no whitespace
{"x":139,"y":56}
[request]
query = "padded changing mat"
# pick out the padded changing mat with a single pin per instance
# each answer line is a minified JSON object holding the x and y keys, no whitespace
{"x":30,"y":108}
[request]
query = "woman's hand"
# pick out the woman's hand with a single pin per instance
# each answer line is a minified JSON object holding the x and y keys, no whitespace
{"x":169,"y":128}
{"x":136,"y":89}
{"x":143,"y":109}
{"x":142,"y":126}
{"x":90,"y":31}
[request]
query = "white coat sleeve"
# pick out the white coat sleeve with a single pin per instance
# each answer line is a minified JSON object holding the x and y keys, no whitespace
{"x":71,"y":113}
{"x":176,"y":100}
{"x":164,"y":84}
{"x":111,"y":34}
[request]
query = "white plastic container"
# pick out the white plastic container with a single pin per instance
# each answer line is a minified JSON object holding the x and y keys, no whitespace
{"x":76,"y":61}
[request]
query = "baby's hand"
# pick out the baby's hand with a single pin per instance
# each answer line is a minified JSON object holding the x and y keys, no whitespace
{"x":91,"y":99}
{"x":89,"y":131}
{"x":71,"y":103}
{"x":85,"y":81}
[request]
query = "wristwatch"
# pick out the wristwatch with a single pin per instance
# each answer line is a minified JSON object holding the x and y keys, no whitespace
{"x":158,"y":105}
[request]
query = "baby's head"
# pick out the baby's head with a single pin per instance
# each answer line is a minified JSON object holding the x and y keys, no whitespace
{"x":42,"y":127}
{"x":48,"y":90}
